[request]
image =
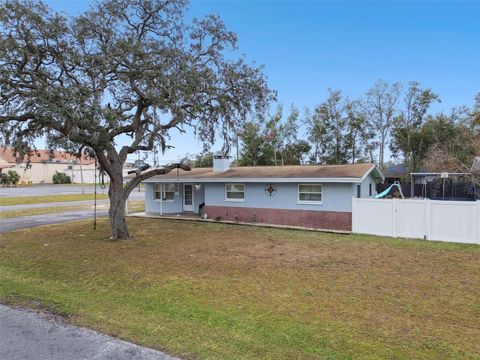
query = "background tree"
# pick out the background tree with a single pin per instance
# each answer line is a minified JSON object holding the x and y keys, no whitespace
{"x":288,"y":138}
{"x":255,"y":150}
{"x":358,"y":134}
{"x":407,"y":140}
{"x":295,"y":153}
{"x":203,"y":160}
{"x":123,"y":69}
{"x":476,"y":113}
{"x":380,"y":108}
{"x":331,"y":113}
{"x":452,"y":142}
{"x":273,"y":132}
{"x":316,"y":133}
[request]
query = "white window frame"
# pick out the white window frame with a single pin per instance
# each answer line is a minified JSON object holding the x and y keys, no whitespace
{"x":162,"y":192}
{"x":309,"y":202}
{"x":234,"y":200}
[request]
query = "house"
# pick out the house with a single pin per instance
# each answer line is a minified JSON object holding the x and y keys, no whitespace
{"x":318,"y":196}
{"x":40,"y":167}
{"x":42,"y":164}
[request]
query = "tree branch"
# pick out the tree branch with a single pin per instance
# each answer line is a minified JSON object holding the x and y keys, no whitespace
{"x":148,"y":174}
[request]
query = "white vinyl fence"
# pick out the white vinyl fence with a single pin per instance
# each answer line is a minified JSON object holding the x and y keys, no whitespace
{"x":454,"y":221}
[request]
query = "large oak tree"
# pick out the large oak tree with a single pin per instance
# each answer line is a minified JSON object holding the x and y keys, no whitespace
{"x":125,"y":71}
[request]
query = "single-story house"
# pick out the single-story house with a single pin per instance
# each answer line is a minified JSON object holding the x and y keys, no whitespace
{"x":318,"y":196}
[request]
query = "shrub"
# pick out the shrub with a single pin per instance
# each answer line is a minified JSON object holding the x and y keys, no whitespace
{"x":13,"y":177}
{"x":4,"y":179}
{"x":61,"y":178}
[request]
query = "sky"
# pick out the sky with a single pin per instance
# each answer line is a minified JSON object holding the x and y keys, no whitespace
{"x":307,"y":47}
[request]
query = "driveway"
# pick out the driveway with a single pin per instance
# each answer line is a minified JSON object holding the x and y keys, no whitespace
{"x":15,"y":223}
{"x":26,"y":335}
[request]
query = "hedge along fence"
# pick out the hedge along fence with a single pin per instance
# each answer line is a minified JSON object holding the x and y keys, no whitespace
{"x":453,"y":221}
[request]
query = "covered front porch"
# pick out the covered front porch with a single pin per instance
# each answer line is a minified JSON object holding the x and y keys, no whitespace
{"x":174,"y":197}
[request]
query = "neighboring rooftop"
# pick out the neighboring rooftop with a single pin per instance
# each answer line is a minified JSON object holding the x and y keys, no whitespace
{"x":395,"y":171}
{"x":333,"y":173}
{"x":44,"y":156}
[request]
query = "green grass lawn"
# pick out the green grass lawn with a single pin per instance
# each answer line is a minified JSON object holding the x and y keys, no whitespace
{"x":217,"y":291}
{"x":20,"y":200}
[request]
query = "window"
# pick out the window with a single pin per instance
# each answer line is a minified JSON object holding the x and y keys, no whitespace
{"x":370,"y":189}
{"x":168,"y":192}
{"x":359,"y":191}
{"x":235,"y":192}
{"x":310,"y":193}
{"x":157,"y":190}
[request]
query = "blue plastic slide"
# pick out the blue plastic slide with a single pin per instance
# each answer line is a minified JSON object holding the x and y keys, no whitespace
{"x":387,"y":190}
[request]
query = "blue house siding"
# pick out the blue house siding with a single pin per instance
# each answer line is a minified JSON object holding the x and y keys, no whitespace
{"x":169,"y":207}
{"x":172,"y":207}
{"x":364,"y":186}
{"x":199,"y":196}
{"x":335,"y":197}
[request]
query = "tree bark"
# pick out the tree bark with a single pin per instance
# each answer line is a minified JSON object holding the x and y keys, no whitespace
{"x":117,"y":196}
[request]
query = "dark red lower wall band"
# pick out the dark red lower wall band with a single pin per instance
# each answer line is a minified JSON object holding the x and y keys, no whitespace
{"x":334,"y":220}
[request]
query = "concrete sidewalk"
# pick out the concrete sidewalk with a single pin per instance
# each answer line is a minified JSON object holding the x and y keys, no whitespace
{"x":26,"y":335}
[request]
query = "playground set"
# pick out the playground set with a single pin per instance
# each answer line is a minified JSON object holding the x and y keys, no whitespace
{"x":436,"y":186}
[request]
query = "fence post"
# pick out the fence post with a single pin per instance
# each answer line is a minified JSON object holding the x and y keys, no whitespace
{"x":477,"y":230}
{"x":394,"y":217}
{"x":353,"y":215}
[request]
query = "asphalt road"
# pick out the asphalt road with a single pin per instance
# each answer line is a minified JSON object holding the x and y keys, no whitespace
{"x":50,"y":205}
{"x":26,"y":335}
{"x":15,"y":223}
{"x":10,"y":224}
{"x":49,"y":189}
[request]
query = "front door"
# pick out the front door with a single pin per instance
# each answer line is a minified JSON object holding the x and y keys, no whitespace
{"x":188,"y":197}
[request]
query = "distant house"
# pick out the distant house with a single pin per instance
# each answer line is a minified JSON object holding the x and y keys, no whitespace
{"x":318,"y":196}
{"x":40,"y":167}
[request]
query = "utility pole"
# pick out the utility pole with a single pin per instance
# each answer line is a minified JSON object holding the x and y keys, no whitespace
{"x":95,"y":198}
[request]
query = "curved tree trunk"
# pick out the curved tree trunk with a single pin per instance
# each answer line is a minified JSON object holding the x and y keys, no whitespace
{"x":117,"y":196}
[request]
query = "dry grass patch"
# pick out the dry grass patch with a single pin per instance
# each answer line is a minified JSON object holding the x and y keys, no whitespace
{"x":212,"y":291}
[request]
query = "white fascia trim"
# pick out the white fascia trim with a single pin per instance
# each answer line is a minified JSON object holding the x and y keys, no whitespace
{"x":374,"y":167}
{"x":262,"y":180}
